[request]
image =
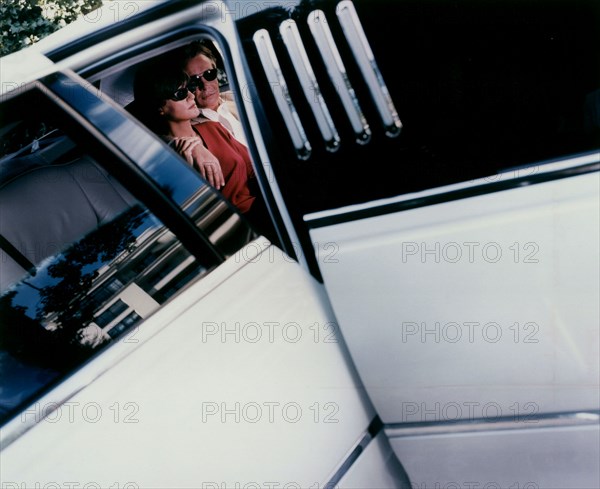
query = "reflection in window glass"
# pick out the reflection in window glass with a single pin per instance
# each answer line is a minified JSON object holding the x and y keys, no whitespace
{"x":54,"y":318}
{"x":127,"y":322}
{"x":111,"y":313}
{"x":82,"y":261}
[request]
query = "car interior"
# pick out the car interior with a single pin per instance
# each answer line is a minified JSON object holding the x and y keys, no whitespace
{"x":84,"y":194}
{"x":118,"y":84}
{"x":37,"y":223}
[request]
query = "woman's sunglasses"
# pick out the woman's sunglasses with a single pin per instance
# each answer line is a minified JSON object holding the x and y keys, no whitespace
{"x":182,"y":93}
{"x":196,"y":80}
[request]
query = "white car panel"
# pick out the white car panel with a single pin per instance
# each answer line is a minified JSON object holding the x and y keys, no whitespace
{"x":22,"y":67}
{"x":241,"y":388}
{"x":477,"y":308}
{"x":473,"y":324}
{"x":527,"y":459}
{"x":106,"y":15}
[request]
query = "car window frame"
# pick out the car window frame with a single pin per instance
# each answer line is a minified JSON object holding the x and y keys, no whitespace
{"x":169,"y":38}
{"x":73,"y":97}
{"x":70,"y":105}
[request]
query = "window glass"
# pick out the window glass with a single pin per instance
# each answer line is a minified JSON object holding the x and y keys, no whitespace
{"x":110,"y":313}
{"x":81,"y":260}
{"x":181,"y":93}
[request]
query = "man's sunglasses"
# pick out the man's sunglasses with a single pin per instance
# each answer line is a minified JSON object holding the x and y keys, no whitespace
{"x":196,"y":80}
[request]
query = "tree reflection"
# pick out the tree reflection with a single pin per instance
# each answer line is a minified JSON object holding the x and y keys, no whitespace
{"x":49,"y":338}
{"x":43,"y":318}
{"x":78,"y":268}
{"x":23,"y":337}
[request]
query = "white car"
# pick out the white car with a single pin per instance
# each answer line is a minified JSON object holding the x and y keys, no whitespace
{"x":428,"y":316}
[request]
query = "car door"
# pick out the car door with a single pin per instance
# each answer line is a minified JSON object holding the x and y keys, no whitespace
{"x":149,"y":337}
{"x":440,"y":163}
{"x":331,"y":136}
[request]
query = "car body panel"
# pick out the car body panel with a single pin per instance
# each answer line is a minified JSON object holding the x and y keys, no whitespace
{"x":239,"y":385}
{"x":22,"y":67}
{"x":515,"y":340}
{"x":470,"y":310}
{"x":508,"y":305}
{"x":289,"y":299}
{"x":532,"y":458}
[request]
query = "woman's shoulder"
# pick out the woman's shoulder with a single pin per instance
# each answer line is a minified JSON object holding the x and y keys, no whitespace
{"x":213,"y":127}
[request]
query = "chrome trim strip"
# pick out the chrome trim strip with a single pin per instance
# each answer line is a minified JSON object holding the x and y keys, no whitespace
{"x":556,"y":420}
{"x":270,"y":64}
{"x":291,"y":38}
{"x":319,"y":28}
{"x":525,"y":175}
{"x":361,"y":49}
{"x":372,"y":431}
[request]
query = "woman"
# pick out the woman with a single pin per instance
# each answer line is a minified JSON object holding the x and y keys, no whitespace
{"x":165,"y":103}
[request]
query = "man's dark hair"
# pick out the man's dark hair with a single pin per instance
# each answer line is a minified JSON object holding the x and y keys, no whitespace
{"x":195,"y":48}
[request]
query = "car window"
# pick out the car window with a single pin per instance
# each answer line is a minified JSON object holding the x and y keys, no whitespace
{"x":116,"y":82}
{"x":82,"y":259}
{"x":211,"y":120}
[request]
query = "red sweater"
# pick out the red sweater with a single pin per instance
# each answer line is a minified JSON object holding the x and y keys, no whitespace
{"x":235,"y":162}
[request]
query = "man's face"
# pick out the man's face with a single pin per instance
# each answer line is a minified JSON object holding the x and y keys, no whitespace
{"x":207,"y":93}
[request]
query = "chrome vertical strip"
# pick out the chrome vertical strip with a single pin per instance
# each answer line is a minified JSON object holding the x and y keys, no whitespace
{"x":270,"y":64}
{"x":319,"y":28}
{"x":291,"y":38}
{"x":366,"y":61}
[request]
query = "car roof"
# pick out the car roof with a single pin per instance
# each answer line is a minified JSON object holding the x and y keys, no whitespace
{"x":32,"y":62}
{"x":17,"y":69}
{"x":105,"y":16}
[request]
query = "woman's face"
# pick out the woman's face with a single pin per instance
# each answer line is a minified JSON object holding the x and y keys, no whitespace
{"x":180,"y":110}
{"x":207,"y":93}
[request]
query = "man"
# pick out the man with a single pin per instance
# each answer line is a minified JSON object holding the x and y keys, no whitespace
{"x":200,"y":63}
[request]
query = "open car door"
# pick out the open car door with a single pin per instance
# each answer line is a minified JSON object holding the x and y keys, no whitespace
{"x":441,"y":159}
